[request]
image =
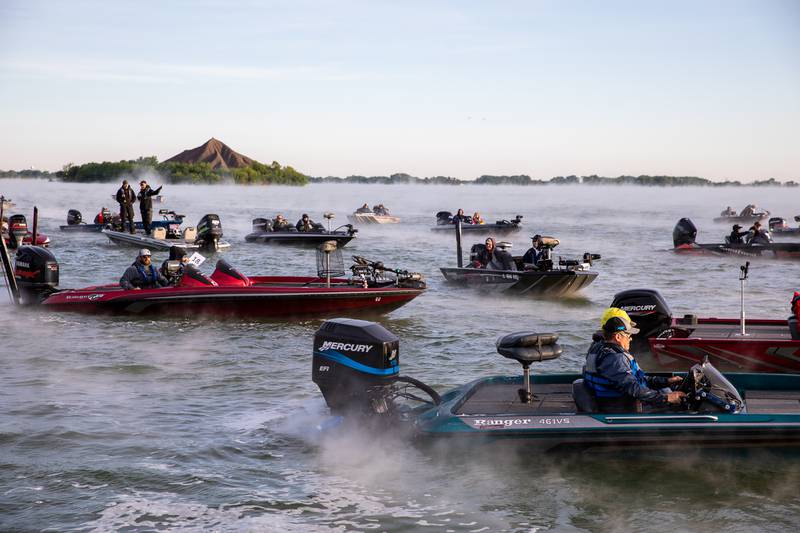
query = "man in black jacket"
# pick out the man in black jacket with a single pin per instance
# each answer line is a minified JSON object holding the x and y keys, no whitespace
{"x":146,"y":204}
{"x":142,"y":274}
{"x":126,"y":198}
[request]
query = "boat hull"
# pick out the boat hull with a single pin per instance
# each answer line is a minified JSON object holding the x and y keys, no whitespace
{"x":142,"y":241}
{"x":495,"y":229}
{"x":770,"y":251}
{"x":489,"y":410}
{"x":371,"y":218}
{"x":299,"y":238}
{"x":750,"y":219}
{"x":521,"y":283}
{"x":273,"y":297}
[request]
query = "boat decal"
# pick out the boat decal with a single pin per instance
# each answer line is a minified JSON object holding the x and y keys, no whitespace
{"x":342,"y":359}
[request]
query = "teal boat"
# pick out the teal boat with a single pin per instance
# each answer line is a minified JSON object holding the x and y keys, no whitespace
{"x":356,"y":366}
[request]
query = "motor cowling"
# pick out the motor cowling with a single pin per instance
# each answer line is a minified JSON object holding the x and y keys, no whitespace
{"x":17,"y":230}
{"x":36,"y":273}
{"x":209,"y":232}
{"x":74,"y":217}
{"x":778,"y":223}
{"x":649,"y":310}
{"x":354,"y":363}
{"x":685,"y":232}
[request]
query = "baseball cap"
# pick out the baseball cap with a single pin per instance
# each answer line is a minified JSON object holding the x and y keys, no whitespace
{"x":144,"y":252}
{"x":615,"y":319}
{"x":737,"y":226}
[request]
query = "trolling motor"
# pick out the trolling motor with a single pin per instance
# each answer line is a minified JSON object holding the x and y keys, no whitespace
{"x":372,"y":273}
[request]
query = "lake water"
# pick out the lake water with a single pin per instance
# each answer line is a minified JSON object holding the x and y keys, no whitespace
{"x":136,"y":424}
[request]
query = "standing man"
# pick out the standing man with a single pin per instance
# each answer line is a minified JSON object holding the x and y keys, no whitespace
{"x":126,"y":198}
{"x":146,"y":204}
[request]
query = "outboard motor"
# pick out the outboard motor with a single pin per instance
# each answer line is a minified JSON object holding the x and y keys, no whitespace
{"x":262,"y":224}
{"x":355,"y":363}
{"x":36,"y":273}
{"x":74,"y":217}
{"x":17,"y":230}
{"x":685,"y":232}
{"x":778,"y":223}
{"x":209,"y":232}
{"x":444,"y":217}
{"x":649,"y":310}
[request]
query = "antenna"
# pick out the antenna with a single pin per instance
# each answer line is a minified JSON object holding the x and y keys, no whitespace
{"x":743,"y":271}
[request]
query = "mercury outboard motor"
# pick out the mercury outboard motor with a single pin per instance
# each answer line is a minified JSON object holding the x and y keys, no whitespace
{"x":355,"y":363}
{"x":685,"y":232}
{"x":17,"y":230}
{"x":444,"y":217}
{"x":36,"y":272}
{"x":649,"y":310}
{"x":209,"y":232}
{"x":74,"y":217}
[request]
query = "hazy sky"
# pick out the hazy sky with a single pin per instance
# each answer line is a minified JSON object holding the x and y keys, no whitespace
{"x":457,"y":88}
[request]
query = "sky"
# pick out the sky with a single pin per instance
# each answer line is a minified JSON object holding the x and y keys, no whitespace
{"x":452,"y":88}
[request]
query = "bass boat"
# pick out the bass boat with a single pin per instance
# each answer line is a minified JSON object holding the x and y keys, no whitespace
{"x":685,"y":233}
{"x":15,"y":233}
{"x":372,"y":288}
{"x":748,"y":215}
{"x":666,"y":342}
{"x":446,"y":222}
{"x":205,"y":237}
{"x":265,"y":233}
{"x":170,"y":221}
{"x":778,"y":227}
{"x":356,"y":366}
{"x":507,"y":274}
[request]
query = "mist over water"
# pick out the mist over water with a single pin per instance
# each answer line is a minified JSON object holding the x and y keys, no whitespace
{"x":110,"y":423}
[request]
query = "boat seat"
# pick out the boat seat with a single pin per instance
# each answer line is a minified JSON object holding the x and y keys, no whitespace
{"x":793,"y":328}
{"x":159,"y":233}
{"x":584,"y":399}
{"x":228,"y":276}
{"x":190,"y":234}
{"x":526,"y":347}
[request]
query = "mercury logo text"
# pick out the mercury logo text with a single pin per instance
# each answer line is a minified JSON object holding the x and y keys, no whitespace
{"x":346,"y":346}
{"x":638,"y":307}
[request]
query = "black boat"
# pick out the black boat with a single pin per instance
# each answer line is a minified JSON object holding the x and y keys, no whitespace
{"x":446,"y":222}
{"x":170,"y":221}
{"x":509,"y":275}
{"x":265,"y":233}
{"x":779,"y":227}
{"x":685,"y":233}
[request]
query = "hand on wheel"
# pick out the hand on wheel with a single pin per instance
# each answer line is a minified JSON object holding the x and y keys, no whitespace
{"x":675,"y":398}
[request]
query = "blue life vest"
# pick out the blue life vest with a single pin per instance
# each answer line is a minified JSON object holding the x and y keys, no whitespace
{"x":601,"y":386}
{"x":145,"y":276}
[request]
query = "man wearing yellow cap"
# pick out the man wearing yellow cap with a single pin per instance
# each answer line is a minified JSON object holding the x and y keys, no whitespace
{"x":613,"y":375}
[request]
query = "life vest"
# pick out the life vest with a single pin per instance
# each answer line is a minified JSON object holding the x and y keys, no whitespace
{"x":145,"y":276}
{"x":601,"y":386}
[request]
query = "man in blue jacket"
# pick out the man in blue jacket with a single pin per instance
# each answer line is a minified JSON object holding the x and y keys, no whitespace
{"x":614,"y":376}
{"x":142,"y":274}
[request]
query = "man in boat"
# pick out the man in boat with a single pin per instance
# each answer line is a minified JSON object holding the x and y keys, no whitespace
{"x":146,"y":204}
{"x":172,"y":268}
{"x":729,"y":212}
{"x":306,"y":224}
{"x":380,"y":209}
{"x":104,"y":216}
{"x":126,"y":198}
{"x":280,"y":223}
{"x":364,"y":209}
{"x":534,"y":253}
{"x":758,"y":235}
{"x":614,"y":377}
{"x":748,"y":211}
{"x":736,"y":236}
{"x":142,"y":274}
{"x":461,"y":216}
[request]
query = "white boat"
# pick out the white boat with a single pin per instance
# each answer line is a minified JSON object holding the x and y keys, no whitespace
{"x":370,"y":217}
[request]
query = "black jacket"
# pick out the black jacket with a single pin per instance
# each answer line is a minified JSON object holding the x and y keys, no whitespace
{"x":145,"y":198}
{"x":126,"y":197}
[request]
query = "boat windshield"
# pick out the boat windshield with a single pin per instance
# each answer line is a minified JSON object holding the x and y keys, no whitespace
{"x":720,"y":385}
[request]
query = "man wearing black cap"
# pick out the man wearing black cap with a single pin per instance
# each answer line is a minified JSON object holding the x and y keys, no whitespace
{"x":534,"y":253}
{"x":142,"y":274}
{"x":736,"y":236}
{"x":613,"y":375}
{"x":146,"y":204}
{"x":305,"y":224}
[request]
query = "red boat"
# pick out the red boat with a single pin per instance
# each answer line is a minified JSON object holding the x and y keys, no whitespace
{"x":667,"y":343}
{"x":227,"y":292}
{"x":15,"y":233}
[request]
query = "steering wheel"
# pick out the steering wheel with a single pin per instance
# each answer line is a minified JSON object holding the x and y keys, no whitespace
{"x":403,"y":392}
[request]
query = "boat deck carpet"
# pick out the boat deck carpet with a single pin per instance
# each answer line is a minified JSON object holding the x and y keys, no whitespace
{"x":726,"y":331}
{"x":503,"y":398}
{"x":781,"y":402}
